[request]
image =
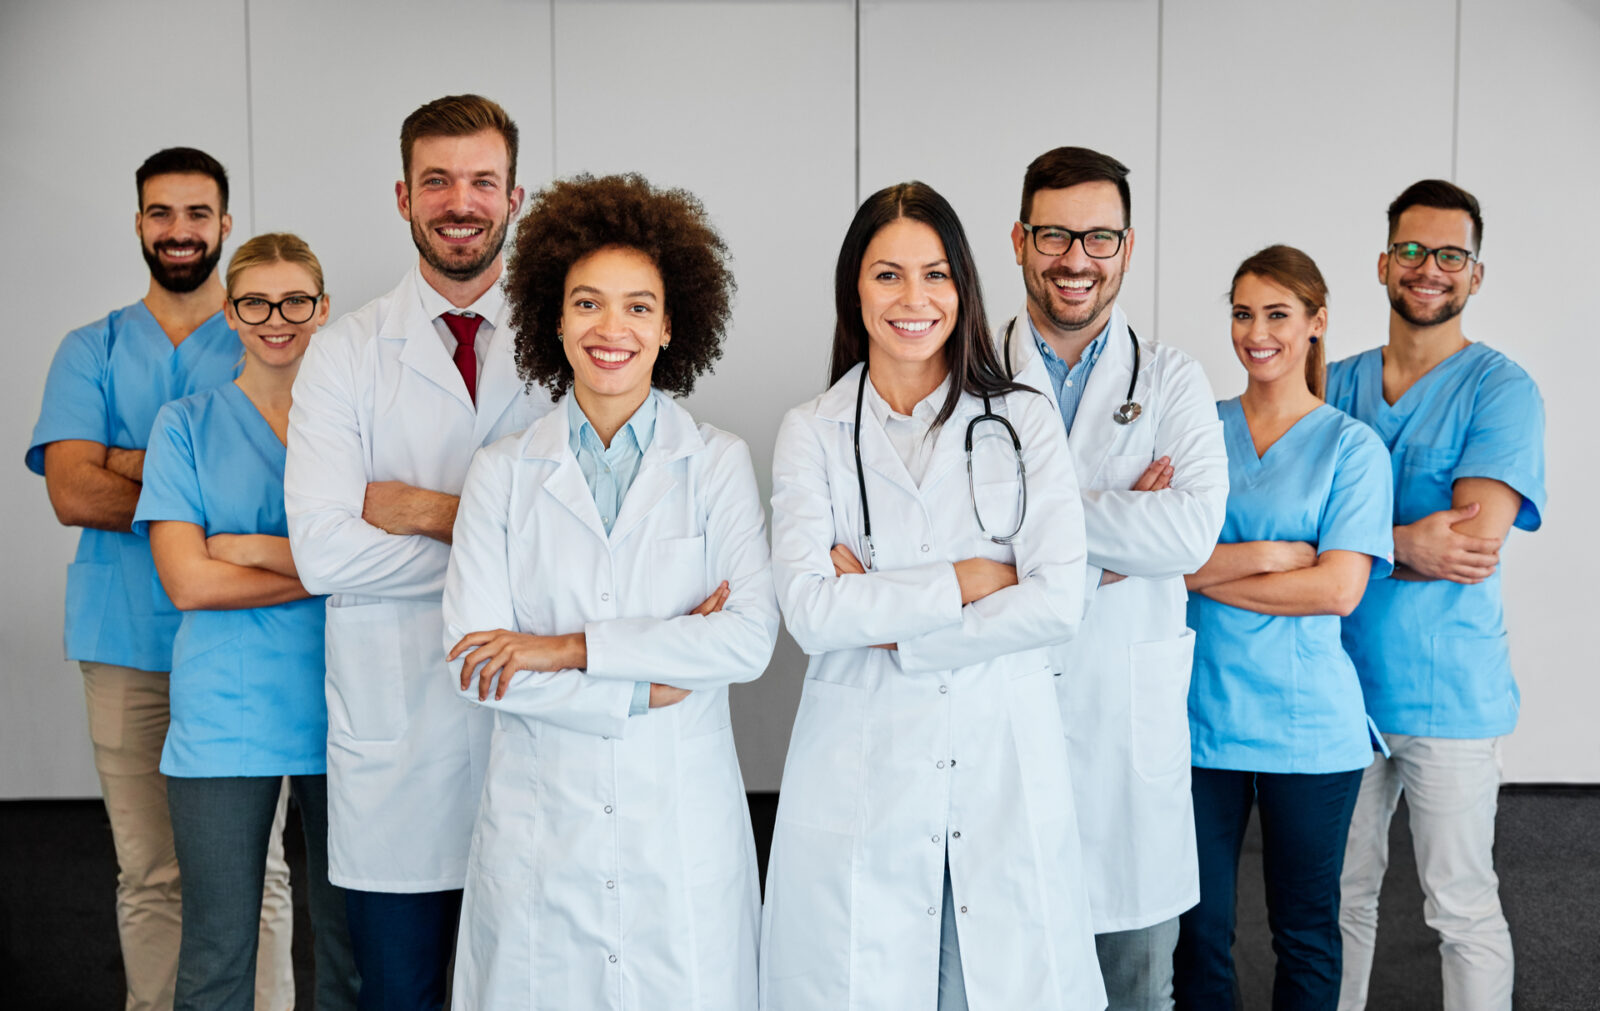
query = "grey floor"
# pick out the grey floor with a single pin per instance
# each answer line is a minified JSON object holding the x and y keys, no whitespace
{"x":58,"y":945}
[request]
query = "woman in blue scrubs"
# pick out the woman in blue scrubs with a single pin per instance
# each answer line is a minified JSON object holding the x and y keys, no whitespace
{"x":1275,"y":708}
{"x":247,"y":667}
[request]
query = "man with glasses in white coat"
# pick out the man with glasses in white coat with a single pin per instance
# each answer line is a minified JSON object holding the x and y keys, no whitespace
{"x":1142,"y":425}
{"x":390,"y":404}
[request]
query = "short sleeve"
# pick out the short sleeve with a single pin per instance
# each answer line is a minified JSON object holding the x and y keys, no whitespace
{"x":1359,"y":513}
{"x":1505,"y":440}
{"x":75,"y":401}
{"x":171,"y":482}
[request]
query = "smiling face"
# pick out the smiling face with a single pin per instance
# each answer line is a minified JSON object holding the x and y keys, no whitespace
{"x":1272,"y":330}
{"x":1424,"y":295}
{"x":181,"y":229}
{"x":459,"y":202}
{"x":908,"y":299}
{"x":275,"y":344}
{"x":1074,"y":291}
{"x":614,"y":325}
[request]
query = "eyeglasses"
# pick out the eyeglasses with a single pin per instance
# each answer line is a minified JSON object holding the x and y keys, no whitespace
{"x":1100,"y":243}
{"x":254,"y":309}
{"x":1411,"y":254}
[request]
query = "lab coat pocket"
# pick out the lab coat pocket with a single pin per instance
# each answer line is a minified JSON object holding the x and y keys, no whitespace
{"x":1118,"y":473}
{"x":822,"y":775}
{"x":713,"y":814}
{"x":503,"y":844}
{"x":1159,"y":706}
{"x":366,"y":680}
{"x":677,"y":576}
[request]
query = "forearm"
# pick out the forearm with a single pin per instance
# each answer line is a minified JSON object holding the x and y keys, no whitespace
{"x":127,"y":463}
{"x":83,"y":492}
{"x":404,"y":509}
{"x":1229,"y":563}
{"x":206,"y":584}
{"x":257,"y":551}
{"x":1333,"y":585}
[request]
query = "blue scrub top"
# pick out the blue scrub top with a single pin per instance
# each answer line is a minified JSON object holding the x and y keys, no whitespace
{"x":247,"y":685}
{"x":105,"y":385}
{"x":1272,"y":693}
{"x":1432,"y":655}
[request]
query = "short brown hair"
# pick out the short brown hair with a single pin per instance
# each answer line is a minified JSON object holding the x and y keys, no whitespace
{"x":459,"y":116}
{"x":183,"y":161}
{"x":1071,"y":166}
{"x":274,"y":247}
{"x":1445,"y":196}
{"x":1289,"y":268}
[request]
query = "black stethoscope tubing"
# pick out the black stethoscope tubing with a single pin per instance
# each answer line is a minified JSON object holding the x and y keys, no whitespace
{"x":1130,"y":410}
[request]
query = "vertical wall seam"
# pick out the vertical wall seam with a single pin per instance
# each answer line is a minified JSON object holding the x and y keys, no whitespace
{"x":250,"y":120}
{"x":552,"y":89}
{"x":1155,"y":204}
{"x":857,"y":91}
{"x":1455,"y":108}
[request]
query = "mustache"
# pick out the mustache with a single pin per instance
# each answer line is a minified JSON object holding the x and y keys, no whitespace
{"x":179,"y":244}
{"x":456,"y":219}
{"x":1066,"y":273}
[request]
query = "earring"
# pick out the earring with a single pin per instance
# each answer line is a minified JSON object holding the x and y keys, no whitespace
{"x":1314,"y":338}
{"x":558,"y":335}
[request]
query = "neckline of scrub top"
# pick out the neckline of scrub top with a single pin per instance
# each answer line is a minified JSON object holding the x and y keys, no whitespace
{"x":158,"y":336}
{"x":256,"y":423}
{"x":1428,"y":379}
{"x":1244,"y":443}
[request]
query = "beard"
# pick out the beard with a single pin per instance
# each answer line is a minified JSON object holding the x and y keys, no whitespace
{"x":1450,"y":309}
{"x":181,"y":278}
{"x":1040,"y":288}
{"x":459,"y":265}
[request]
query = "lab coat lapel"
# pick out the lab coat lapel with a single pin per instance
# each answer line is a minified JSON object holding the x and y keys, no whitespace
{"x":498,"y":385}
{"x":1021,"y":358}
{"x":424,"y":352}
{"x":676,"y":437}
{"x":1093,"y":430}
{"x":950,"y":441}
{"x":877,"y":452}
{"x":547,"y":440}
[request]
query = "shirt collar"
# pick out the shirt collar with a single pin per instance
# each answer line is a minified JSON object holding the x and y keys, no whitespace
{"x":488,"y":305}
{"x":924,"y":412}
{"x":1090,"y":353}
{"x":640,"y":428}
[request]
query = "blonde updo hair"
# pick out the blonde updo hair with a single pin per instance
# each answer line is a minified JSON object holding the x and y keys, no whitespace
{"x":274,"y":247}
{"x":1289,"y":268}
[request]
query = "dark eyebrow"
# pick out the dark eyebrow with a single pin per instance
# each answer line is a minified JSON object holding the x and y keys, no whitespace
{"x":596,"y":291}
{"x":896,"y":266}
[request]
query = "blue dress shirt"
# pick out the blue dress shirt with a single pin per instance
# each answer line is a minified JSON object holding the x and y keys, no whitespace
{"x":1069,"y":381}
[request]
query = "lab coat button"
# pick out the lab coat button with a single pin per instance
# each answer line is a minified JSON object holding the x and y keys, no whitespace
{"x":963,"y":909}
{"x":941,"y":765}
{"x":952,"y":763}
{"x":611,"y":884}
{"x":605,"y":596}
{"x":611,"y":958}
{"x":955,"y":835}
{"x":932,"y":911}
{"x":935,"y":838}
{"x":608,"y":809}
{"x":925,"y":549}
{"x":944,"y":689}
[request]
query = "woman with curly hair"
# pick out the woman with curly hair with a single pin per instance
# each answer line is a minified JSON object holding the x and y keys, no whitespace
{"x":609,"y":579}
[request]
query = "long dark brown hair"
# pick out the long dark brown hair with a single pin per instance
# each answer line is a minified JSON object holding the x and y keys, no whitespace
{"x":969,"y":352}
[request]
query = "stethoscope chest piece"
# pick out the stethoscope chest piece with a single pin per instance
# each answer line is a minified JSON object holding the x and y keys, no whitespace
{"x":1128,"y":413}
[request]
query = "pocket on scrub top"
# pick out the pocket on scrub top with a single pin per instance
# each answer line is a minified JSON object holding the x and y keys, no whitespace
{"x":677,"y":576}
{"x":1425,"y":481}
{"x":366,"y":679}
{"x":1159,"y":705}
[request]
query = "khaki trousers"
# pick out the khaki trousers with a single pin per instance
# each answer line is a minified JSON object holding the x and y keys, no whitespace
{"x":128,"y":719}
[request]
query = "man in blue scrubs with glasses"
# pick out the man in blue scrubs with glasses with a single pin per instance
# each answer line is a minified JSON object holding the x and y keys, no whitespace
{"x":105,"y":385}
{"x":1465,"y":429}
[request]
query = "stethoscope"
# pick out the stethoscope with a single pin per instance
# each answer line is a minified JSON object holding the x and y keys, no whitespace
{"x":1130,"y":410}
{"x":987,"y":415}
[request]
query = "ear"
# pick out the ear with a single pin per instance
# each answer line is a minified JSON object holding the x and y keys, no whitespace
{"x":1477,"y":278}
{"x":228,"y":313}
{"x":138,"y":225}
{"x":227,"y":226}
{"x":1319,"y":322}
{"x":1127,"y":249}
{"x":1383,"y":267}
{"x":666,"y":331}
{"x":517,"y":196}
{"x":402,"y":199}
{"x":1017,"y":236}
{"x":324,"y":309}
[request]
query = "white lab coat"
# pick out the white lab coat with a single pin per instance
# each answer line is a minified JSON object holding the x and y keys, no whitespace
{"x":379,"y":399}
{"x":612,"y":863}
{"x":1124,"y":688}
{"x":953,"y":741}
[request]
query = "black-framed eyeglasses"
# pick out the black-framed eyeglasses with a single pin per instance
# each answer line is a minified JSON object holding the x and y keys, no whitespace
{"x":1413,"y":254}
{"x":1051,"y":240}
{"x":254,"y":309}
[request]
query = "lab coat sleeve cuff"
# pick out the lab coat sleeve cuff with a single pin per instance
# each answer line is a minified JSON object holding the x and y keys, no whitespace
{"x":641,"y":699}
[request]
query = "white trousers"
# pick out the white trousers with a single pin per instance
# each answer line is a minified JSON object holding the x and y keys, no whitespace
{"x":1452,"y":788}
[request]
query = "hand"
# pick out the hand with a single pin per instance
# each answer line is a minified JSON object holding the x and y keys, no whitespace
{"x":503,"y":653}
{"x":666,"y":695}
{"x":1432,"y":547}
{"x":713,"y":603}
{"x":980,"y":577}
{"x":128,"y":463}
{"x":1287,"y":556}
{"x":1107,"y":577}
{"x":1156,"y":477}
{"x":845,"y":562}
{"x":228,"y":548}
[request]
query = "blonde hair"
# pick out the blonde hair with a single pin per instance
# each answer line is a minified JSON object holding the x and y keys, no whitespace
{"x":274,"y":247}
{"x":1289,"y":268}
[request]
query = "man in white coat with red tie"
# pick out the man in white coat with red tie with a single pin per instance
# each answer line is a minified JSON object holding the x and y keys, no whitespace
{"x":1143,"y":430}
{"x":390,"y":404}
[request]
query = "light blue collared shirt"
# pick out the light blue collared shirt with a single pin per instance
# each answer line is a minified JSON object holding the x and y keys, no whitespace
{"x":1069,"y":381}
{"x":609,"y":471}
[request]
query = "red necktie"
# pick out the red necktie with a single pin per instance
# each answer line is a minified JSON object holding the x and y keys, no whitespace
{"x":465,"y":329}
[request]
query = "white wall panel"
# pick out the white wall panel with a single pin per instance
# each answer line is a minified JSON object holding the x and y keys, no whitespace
{"x":1293,"y":123}
{"x":749,"y":106}
{"x":1530,"y":99}
{"x":964,"y":95}
{"x":90,"y":90}
{"x":332,"y":82}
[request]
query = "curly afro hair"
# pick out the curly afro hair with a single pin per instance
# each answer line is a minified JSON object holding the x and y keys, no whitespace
{"x":571,"y":218}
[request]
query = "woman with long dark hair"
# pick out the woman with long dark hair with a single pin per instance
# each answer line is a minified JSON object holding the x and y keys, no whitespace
{"x":927,"y":545}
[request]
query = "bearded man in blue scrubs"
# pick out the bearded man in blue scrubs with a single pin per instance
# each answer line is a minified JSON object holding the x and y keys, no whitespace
{"x":1465,"y":430}
{"x":105,"y":385}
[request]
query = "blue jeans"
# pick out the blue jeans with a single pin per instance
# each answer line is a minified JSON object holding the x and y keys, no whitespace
{"x":1137,"y":966}
{"x":1304,"y":822}
{"x":220,"y":828}
{"x":403,"y":944}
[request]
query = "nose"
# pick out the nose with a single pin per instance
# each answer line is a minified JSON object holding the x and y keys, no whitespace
{"x":613,"y":320}
{"x":915,"y":293}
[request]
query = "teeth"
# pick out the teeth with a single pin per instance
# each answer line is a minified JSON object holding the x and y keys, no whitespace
{"x":1075,"y":284}
{"x":1428,"y":291}
{"x":181,"y":253}
{"x":1262,"y":356}
{"x":460,"y":233}
{"x":601,"y":355}
{"x":913,"y":327}
{"x":277,"y":341}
